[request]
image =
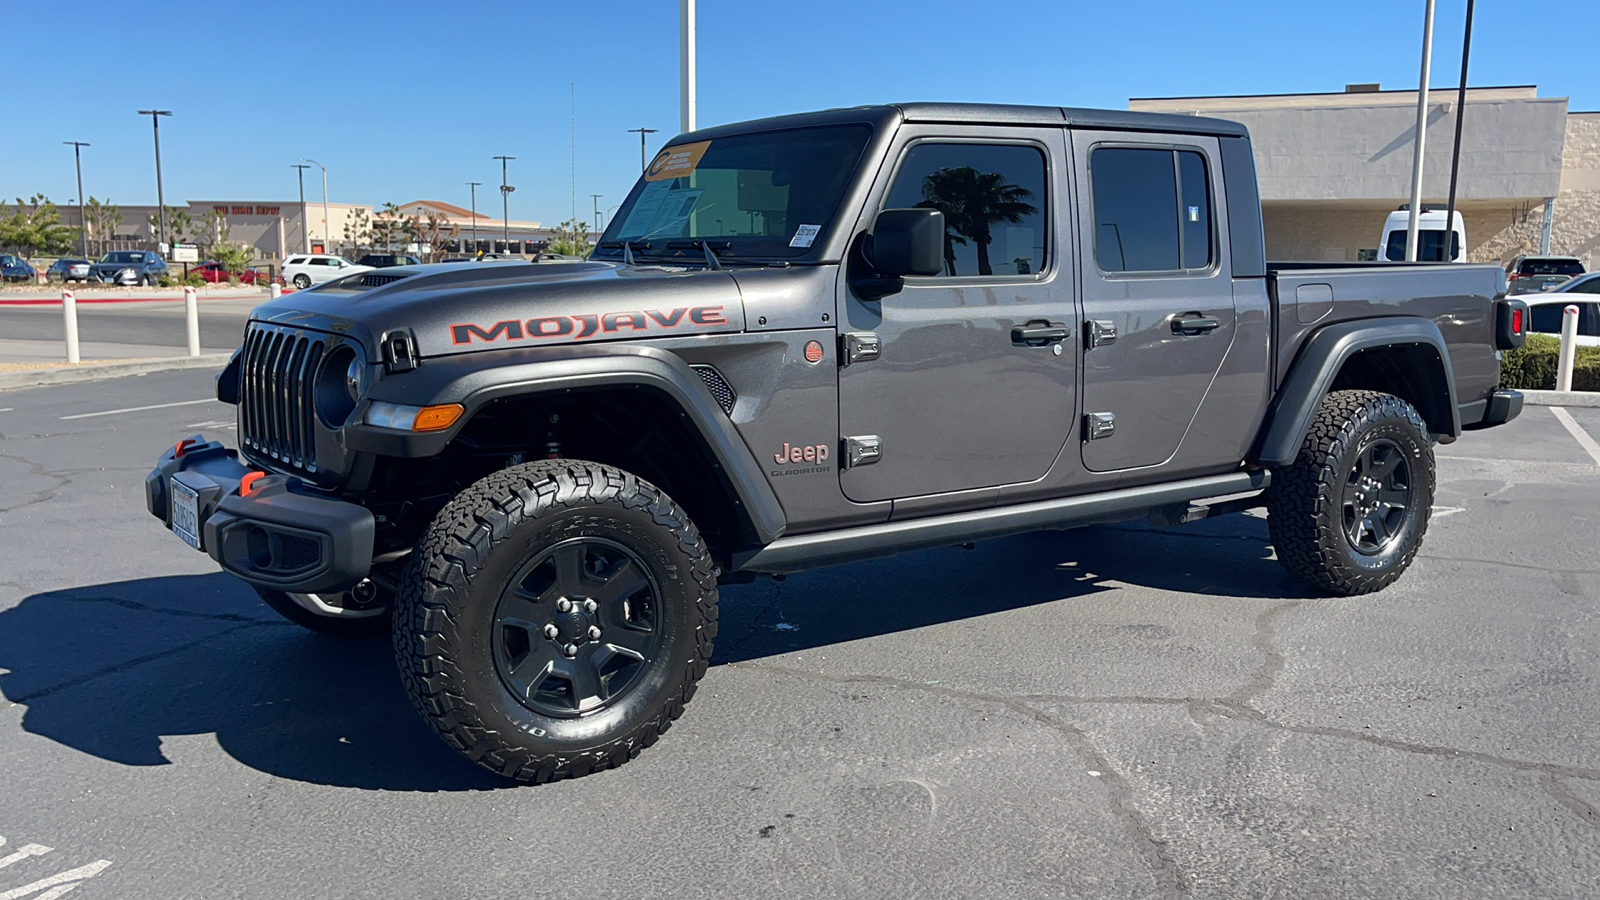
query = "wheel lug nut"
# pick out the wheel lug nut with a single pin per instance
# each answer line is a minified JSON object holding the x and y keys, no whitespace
{"x":594,"y":632}
{"x":570,"y":649}
{"x":563,"y":605}
{"x":590,"y":606}
{"x":550,"y":631}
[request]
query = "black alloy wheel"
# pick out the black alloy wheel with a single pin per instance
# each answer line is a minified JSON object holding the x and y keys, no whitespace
{"x":1377,"y":497}
{"x":575,"y":627}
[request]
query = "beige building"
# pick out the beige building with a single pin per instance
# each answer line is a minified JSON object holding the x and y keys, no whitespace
{"x":1333,"y":166}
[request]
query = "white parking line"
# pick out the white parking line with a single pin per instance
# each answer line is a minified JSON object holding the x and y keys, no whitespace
{"x":115,"y":412}
{"x":8,"y":409}
{"x":1576,"y":430}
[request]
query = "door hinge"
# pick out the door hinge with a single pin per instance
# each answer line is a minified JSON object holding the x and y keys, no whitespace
{"x":860,"y":346}
{"x":1099,"y":425}
{"x":1099,"y":333}
{"x":862,"y":450}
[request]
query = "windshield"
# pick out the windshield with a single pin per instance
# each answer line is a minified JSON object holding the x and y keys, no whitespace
{"x":765,"y":195}
{"x":1430,"y":245}
{"x":123,"y":256}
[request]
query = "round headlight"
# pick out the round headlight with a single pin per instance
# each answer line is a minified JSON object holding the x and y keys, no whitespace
{"x":354,"y":376}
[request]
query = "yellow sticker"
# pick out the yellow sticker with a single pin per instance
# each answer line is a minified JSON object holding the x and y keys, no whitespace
{"x":676,"y":162}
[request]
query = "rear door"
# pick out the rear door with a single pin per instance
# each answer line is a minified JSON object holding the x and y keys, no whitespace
{"x":957,"y":396}
{"x":1157,"y":291}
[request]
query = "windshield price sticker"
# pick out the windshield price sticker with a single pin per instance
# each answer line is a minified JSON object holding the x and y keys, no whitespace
{"x":804,"y":235}
{"x":676,"y":162}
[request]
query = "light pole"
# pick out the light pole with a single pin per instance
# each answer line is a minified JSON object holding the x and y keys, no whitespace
{"x":505,"y":202}
{"x":83,"y":220}
{"x":641,"y":132}
{"x":474,"y":186}
{"x":596,"y":221}
{"x":686,"y":65}
{"x":161,"y":203}
{"x":327,"y":223}
{"x":305,"y":233}
{"x":1422,"y":133}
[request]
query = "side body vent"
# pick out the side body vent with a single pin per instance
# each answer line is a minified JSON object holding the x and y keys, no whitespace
{"x":718,"y":386}
{"x":378,"y":279}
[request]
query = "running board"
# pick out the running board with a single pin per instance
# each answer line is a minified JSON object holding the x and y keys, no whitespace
{"x":810,"y":551}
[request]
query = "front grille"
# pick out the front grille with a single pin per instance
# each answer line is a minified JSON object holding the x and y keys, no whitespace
{"x":378,"y":279}
{"x":277,"y":389}
{"x":718,"y":386}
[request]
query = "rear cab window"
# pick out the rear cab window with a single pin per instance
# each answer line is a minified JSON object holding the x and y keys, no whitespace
{"x":1152,"y":210}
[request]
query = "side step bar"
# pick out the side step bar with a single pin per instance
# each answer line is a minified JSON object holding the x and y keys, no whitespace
{"x":810,"y":551}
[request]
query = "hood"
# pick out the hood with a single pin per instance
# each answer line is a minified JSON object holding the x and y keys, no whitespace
{"x":471,"y":307}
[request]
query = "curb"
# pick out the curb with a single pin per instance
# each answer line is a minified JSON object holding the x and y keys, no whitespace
{"x":1587,"y":399}
{"x":99,"y":372}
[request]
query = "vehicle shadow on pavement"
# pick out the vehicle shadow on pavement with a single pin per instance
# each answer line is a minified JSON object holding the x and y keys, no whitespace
{"x":1228,"y":557}
{"x":112,"y":669}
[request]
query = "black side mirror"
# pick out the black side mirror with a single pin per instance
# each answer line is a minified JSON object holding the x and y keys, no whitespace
{"x":908,"y":242}
{"x":902,"y":242}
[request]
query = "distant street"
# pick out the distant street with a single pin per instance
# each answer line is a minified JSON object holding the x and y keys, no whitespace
{"x":150,"y":325}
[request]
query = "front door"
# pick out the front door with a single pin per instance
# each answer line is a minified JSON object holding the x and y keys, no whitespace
{"x":1157,"y":291}
{"x":959,"y":396}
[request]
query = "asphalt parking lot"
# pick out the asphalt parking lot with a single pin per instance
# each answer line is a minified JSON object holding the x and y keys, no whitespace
{"x":1119,"y":711}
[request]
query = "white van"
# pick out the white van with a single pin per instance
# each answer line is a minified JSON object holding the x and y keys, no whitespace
{"x":1430,"y":235}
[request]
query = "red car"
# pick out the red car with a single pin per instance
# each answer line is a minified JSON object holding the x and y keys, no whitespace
{"x":215,"y":273}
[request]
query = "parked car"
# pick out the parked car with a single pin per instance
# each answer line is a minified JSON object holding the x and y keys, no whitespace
{"x":15,"y":268}
{"x":488,"y":462}
{"x":1531,"y":274}
{"x":214,"y":272}
{"x":68,"y":269}
{"x":129,"y":267}
{"x":1544,"y":309}
{"x":1430,"y":235}
{"x":305,"y":270}
{"x":385,"y":260}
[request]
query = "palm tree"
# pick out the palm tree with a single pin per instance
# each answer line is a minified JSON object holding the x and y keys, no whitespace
{"x":973,"y":202}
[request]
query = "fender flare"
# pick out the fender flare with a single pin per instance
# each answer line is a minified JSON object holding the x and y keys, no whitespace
{"x":475,"y":380}
{"x":1317,"y":365}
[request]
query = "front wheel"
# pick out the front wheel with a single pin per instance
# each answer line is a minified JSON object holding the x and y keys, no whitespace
{"x":555,"y":619}
{"x":1348,"y":515}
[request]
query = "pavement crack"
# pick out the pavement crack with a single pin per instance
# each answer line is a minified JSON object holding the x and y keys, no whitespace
{"x":1579,"y":807}
{"x":755,"y":621}
{"x":1164,"y":870}
{"x":1509,"y":565}
{"x":135,"y":662}
{"x":1265,"y":642}
{"x":37,"y":469}
{"x":145,"y":607}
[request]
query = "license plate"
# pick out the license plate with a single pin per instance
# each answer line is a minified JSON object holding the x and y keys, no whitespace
{"x":185,"y":513}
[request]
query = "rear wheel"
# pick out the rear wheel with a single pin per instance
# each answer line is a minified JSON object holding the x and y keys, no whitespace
{"x":361,"y":612}
{"x":1348,"y":515}
{"x":555,"y":619}
{"x":302,"y":282}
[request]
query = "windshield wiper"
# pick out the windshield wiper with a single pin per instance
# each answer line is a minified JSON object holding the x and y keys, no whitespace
{"x":712,"y":260}
{"x":627,"y":249}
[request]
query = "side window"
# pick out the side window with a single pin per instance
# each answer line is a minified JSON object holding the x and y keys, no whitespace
{"x":993,"y":197}
{"x":1152,"y":209}
{"x":1592,"y":286}
{"x":1546,"y":318}
{"x":320,"y":261}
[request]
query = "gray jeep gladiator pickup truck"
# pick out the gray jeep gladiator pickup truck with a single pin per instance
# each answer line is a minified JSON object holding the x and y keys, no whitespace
{"x":804,"y":341}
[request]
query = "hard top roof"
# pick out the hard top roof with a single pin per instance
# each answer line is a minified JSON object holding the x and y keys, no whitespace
{"x":987,"y":113}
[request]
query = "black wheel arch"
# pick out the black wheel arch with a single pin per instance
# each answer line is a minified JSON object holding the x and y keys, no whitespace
{"x":646,"y":382}
{"x":1401,"y":355}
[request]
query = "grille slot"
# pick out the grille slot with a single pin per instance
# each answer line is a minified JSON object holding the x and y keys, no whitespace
{"x":277,"y":414}
{"x":719,"y":387}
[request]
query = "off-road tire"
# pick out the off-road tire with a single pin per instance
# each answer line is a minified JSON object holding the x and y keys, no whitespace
{"x":1306,"y":511}
{"x":333,"y":626}
{"x":470,"y":558}
{"x":302,"y":282}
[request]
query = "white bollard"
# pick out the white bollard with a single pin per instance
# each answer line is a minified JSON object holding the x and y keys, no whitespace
{"x":191,"y":313}
{"x":1569,"y":348}
{"x":275,"y":291}
{"x":69,"y":311}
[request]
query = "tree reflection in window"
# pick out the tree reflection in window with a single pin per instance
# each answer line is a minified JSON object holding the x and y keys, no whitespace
{"x":989,"y":195}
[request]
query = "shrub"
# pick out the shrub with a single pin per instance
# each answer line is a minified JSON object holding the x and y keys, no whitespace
{"x":195,"y":280}
{"x":1533,"y":365}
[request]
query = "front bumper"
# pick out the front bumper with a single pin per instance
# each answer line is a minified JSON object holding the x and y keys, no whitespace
{"x":280,"y":535}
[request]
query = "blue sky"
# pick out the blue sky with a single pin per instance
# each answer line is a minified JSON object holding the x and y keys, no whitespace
{"x":405,"y":101}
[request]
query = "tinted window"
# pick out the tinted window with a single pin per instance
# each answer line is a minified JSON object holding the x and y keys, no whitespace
{"x":1591,"y":286}
{"x":1546,"y":318}
{"x":1152,"y":210}
{"x":1550,"y":267}
{"x":297,"y":261}
{"x":1430,"y":246}
{"x":321,"y":262}
{"x":993,"y":200}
